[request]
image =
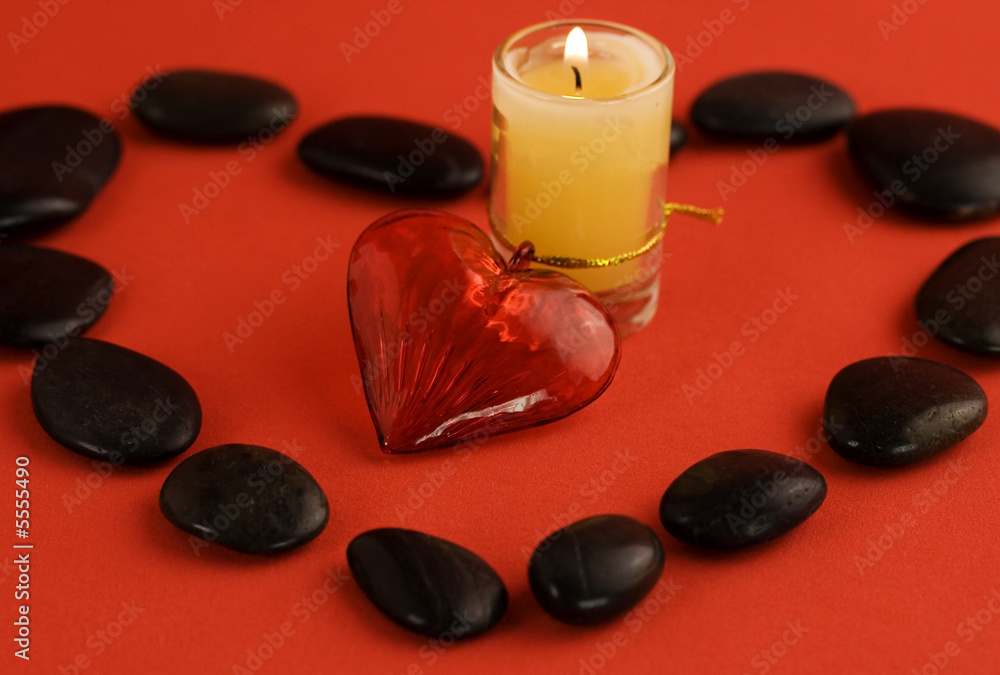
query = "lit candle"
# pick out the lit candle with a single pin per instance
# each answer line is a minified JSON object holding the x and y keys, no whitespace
{"x":581,"y":138}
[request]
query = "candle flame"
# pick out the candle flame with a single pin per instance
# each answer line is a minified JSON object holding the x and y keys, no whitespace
{"x":576,"y":48}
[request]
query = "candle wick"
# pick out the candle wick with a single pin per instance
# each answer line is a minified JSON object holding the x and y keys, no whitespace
{"x":579,"y":82}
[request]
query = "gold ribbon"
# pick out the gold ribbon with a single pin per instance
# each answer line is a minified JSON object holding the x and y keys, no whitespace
{"x":713,"y":215}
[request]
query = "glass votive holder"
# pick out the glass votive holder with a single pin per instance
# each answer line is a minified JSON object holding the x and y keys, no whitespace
{"x":580,"y":145}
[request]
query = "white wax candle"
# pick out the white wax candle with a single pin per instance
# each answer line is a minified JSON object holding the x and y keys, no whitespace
{"x":581,"y":172}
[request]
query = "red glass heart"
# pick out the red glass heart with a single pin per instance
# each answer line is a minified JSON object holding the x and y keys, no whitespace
{"x":455,"y":345}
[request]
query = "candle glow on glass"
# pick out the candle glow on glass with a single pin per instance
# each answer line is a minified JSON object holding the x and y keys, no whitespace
{"x":581,"y":172}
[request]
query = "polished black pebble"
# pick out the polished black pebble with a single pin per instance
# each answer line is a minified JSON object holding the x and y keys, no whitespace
{"x":425,"y":584}
{"x":207,"y":106}
{"x":960,"y":301}
{"x":47,"y":295}
{"x":245,"y":497}
{"x":893,"y":410}
{"x":393,"y":156}
{"x":933,"y":164}
{"x":595,"y":569}
{"x":113,"y":404}
{"x":678,"y":136}
{"x":739,"y":498}
{"x":786,"y":107}
{"x":53,"y":162}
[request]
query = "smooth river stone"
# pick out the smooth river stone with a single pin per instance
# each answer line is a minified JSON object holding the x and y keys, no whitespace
{"x":595,"y":569}
{"x":739,"y":498}
{"x":678,"y":136}
{"x":786,"y":107}
{"x":113,"y":404}
{"x":889,"y":411}
{"x":425,"y":584}
{"x":393,"y":155}
{"x":960,"y":302}
{"x":245,"y":497}
{"x":207,"y":106}
{"x":933,"y":164}
{"x":47,"y":295}
{"x":53,"y":162}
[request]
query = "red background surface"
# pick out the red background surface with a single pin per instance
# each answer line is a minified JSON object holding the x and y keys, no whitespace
{"x":290,"y":382}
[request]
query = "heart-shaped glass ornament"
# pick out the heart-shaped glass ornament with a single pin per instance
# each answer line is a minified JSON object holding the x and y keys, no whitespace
{"x":456,"y":346}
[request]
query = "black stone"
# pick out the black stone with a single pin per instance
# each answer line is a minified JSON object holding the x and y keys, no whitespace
{"x":889,"y":411}
{"x":113,"y":404}
{"x":595,"y":569}
{"x":245,"y":497}
{"x":53,"y":162}
{"x":425,"y":584}
{"x":961,"y":299}
{"x":393,"y":155}
{"x":740,"y":498}
{"x":933,"y":164}
{"x":205,"y":106}
{"x":678,"y":136}
{"x":46,"y":295}
{"x":787,"y":107}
